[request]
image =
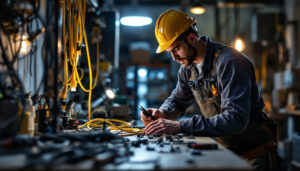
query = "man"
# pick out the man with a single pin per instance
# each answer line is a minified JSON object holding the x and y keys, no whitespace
{"x":222,"y":82}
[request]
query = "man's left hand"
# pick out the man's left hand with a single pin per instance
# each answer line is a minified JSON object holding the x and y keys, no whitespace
{"x":161,"y":126}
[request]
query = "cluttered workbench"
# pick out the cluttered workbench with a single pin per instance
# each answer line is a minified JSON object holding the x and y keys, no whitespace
{"x":100,"y":150}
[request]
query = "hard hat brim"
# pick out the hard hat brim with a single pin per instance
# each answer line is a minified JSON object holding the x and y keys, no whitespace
{"x":164,"y":47}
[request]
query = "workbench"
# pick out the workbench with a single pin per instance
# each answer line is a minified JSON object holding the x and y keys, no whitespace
{"x":140,"y":152}
{"x":160,"y":157}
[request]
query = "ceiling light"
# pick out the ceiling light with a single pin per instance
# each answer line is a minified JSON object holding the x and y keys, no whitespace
{"x":136,"y":21}
{"x":239,"y":44}
{"x":197,"y":9}
{"x":25,"y":45}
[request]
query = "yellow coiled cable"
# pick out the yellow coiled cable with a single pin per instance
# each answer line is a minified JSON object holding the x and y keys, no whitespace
{"x":76,"y":25}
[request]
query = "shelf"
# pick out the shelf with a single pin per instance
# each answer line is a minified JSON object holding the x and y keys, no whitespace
{"x":289,"y":90}
{"x":289,"y":112}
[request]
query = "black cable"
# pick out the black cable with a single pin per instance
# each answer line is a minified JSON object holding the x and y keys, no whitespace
{"x":7,"y":62}
{"x":44,"y":53}
{"x":14,"y":74}
{"x":17,"y":19}
{"x":45,"y":47}
{"x":30,"y":56}
{"x":48,"y":54}
{"x":24,"y":21}
{"x":14,"y":54}
{"x":35,"y":69}
{"x":45,"y":73}
{"x":55,"y":107}
{"x":36,"y":9}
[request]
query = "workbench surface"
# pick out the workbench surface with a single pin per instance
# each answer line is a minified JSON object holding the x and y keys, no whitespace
{"x":131,"y":153}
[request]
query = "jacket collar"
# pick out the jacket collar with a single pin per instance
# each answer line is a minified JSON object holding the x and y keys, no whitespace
{"x":207,"y":58}
{"x":208,"y":54}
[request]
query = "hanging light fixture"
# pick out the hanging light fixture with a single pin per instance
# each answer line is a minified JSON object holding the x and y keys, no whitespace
{"x":139,"y":18}
{"x":25,"y":45}
{"x":197,"y":8}
{"x":238,"y":42}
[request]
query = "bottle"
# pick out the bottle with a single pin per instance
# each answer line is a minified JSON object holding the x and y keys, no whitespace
{"x":27,"y":126}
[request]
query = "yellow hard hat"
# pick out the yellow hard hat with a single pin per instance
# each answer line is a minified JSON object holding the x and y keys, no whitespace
{"x":169,"y":26}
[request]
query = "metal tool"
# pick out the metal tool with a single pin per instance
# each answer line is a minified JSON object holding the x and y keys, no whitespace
{"x":147,"y":113}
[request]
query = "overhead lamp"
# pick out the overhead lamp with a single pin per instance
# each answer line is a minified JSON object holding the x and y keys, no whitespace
{"x":25,"y":45}
{"x":238,"y":41}
{"x":239,"y":44}
{"x":136,"y":20}
{"x":197,"y":8}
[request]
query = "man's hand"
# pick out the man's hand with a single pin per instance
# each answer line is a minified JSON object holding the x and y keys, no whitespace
{"x":156,"y":113}
{"x":161,"y":126}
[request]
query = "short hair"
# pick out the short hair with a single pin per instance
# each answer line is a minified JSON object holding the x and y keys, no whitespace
{"x":191,"y":29}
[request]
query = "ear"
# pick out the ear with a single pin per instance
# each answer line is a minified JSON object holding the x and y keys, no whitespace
{"x":192,"y":37}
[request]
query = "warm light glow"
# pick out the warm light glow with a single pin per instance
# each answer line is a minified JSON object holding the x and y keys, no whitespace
{"x":110,"y":93}
{"x":136,"y":21}
{"x":197,"y":10}
{"x":25,"y":45}
{"x":239,"y":44}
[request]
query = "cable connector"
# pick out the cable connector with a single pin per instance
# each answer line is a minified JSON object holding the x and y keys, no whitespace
{"x":63,"y":93}
{"x":73,"y":83}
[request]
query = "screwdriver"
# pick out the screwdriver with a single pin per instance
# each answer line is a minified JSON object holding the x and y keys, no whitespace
{"x":147,"y":113}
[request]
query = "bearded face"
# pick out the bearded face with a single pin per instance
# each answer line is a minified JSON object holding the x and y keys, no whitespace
{"x":183,"y":53}
{"x":191,"y":55}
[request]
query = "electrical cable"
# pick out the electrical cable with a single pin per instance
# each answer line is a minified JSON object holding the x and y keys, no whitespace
{"x":14,"y":74}
{"x":76,"y":22}
{"x":124,"y":127}
{"x":14,"y":52}
{"x":55,"y":106}
{"x":18,"y":20}
{"x":74,"y":12}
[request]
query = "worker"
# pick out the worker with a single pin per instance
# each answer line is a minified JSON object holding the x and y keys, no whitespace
{"x":222,"y":82}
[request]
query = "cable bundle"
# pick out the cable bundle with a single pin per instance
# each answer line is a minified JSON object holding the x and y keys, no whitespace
{"x":74,"y":16}
{"x":74,"y":13}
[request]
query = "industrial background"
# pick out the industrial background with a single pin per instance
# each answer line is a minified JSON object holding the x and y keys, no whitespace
{"x":70,"y":66}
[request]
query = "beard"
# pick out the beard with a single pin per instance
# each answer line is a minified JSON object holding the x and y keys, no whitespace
{"x":190,"y":58}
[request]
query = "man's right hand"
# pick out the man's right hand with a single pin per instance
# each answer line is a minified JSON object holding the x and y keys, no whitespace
{"x":156,"y":113}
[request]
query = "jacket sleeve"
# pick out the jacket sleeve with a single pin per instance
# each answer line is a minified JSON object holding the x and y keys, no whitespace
{"x":181,"y":97}
{"x":234,"y":78}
